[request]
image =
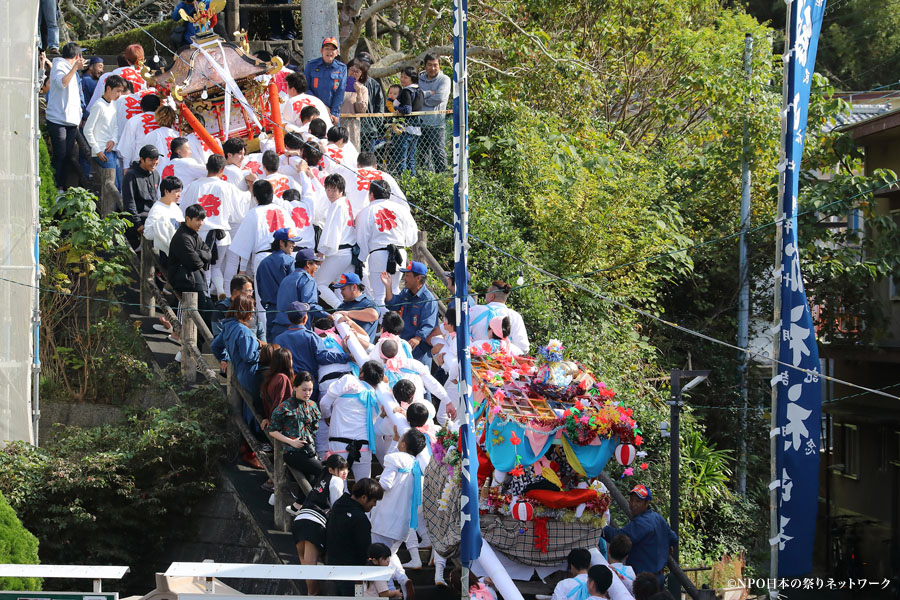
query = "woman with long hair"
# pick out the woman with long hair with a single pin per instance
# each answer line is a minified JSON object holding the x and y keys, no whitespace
{"x":277,"y":381}
{"x":294,"y":422}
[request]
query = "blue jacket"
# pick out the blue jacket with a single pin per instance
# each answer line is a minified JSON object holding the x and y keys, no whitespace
{"x":218,"y":318}
{"x":650,"y":537}
{"x":308,"y":352}
{"x":419,"y":312}
{"x":237,"y":343}
{"x":362,"y":303}
{"x":327,"y":83}
{"x":270,"y":273}
{"x":298,"y":286}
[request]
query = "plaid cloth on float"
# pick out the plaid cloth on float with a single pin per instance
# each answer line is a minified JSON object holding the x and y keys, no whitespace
{"x":443,"y":525}
{"x":504,"y":534}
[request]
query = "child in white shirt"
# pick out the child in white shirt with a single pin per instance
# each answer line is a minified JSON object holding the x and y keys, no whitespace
{"x":379,"y":555}
{"x":402,"y":484}
{"x":617,"y":553}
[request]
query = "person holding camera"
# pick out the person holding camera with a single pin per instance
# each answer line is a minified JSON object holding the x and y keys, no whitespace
{"x":64,"y":110}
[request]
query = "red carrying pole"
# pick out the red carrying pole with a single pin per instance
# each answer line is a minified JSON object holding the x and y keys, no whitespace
{"x":275,"y":113}
{"x":200,"y":130}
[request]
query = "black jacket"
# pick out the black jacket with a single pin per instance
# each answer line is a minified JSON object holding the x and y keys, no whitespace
{"x":188,"y":257}
{"x":140,"y":189}
{"x":348,"y":533}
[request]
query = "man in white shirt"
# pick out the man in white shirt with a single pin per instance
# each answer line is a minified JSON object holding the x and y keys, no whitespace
{"x":134,"y":54}
{"x":135,"y":129}
{"x":280,"y":182}
{"x":481,"y":315}
{"x":383,"y":229}
{"x":366,"y":173}
{"x":575,"y":587}
{"x":164,"y":216}
{"x":350,"y":407}
{"x":340,"y":155}
{"x":182,"y":164}
{"x":225,"y":208}
{"x":337,"y":240}
{"x":298,"y":100}
{"x":101,"y":131}
{"x":235,"y":150}
{"x":64,"y":109}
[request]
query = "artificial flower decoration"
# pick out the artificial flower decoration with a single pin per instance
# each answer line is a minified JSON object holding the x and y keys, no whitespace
{"x":644,"y":466}
{"x":629,"y":471}
{"x":514,"y":439}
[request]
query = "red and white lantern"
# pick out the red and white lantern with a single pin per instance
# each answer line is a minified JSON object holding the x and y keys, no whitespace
{"x":522,"y":511}
{"x":625,"y":454}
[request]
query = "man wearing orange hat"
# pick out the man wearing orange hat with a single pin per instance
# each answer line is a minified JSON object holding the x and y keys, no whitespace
{"x":651,"y":537}
{"x":326,"y":78}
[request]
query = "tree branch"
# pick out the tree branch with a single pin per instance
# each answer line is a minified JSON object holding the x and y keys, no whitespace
{"x":394,"y":63}
{"x":368,"y":14}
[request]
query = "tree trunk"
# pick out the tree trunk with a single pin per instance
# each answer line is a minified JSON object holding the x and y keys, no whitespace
{"x":320,"y":21}
{"x":395,"y":37}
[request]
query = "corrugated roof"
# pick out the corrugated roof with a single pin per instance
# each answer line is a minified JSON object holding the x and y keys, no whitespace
{"x":858,"y":114}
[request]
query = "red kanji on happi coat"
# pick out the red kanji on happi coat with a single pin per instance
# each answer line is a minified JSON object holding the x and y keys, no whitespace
{"x":275,"y":220}
{"x":385,"y":219}
{"x":210,"y":204}
{"x":300,"y":217}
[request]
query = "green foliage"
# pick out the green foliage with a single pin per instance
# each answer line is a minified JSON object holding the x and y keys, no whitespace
{"x":18,"y":547}
{"x":117,"y":494}
{"x":47,"y":192}
{"x":113,"y":45}
{"x":86,"y":352}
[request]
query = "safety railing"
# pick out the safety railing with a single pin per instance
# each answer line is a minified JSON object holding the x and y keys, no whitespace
{"x":192,"y":361}
{"x":96,"y":573}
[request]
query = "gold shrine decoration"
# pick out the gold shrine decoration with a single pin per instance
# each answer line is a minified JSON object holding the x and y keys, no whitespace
{"x":203,"y":15}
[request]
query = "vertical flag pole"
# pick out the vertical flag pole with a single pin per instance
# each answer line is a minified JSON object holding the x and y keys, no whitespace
{"x":470,"y":539}
{"x":773,"y":437}
{"x":796,"y":388}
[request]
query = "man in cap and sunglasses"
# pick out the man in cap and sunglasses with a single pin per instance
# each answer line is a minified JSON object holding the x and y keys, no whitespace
{"x":650,"y":534}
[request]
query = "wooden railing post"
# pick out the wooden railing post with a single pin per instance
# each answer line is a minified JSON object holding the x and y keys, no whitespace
{"x":282,"y":494}
{"x":188,"y":336}
{"x":148,"y":279}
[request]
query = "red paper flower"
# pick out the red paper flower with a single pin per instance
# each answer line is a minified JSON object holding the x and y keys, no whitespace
{"x":644,"y":466}
{"x":486,"y":347}
{"x":514,"y":439}
{"x":638,"y":440}
{"x":517,"y":471}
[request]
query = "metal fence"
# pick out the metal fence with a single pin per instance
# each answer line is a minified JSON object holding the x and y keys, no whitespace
{"x":419,"y":142}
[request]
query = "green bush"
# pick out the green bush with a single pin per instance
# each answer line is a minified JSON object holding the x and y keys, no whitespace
{"x":117,"y":494}
{"x":47,"y":192}
{"x":18,"y":547}
{"x":113,"y":45}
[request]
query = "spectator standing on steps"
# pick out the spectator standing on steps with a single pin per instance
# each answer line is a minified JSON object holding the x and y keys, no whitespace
{"x":348,"y":532}
{"x":91,"y":76}
{"x":435,"y":87}
{"x":326,"y":78}
{"x":64,"y":109}
{"x":372,"y":127}
{"x":189,"y":257}
{"x":410,"y":101}
{"x":650,"y":535}
{"x":356,"y":98}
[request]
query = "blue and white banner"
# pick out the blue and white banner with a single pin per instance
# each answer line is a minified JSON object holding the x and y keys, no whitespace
{"x":799,"y":393}
{"x":470,"y":542}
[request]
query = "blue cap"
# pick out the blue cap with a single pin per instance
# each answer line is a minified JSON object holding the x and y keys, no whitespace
{"x":94,"y":60}
{"x":308,"y":254}
{"x":288,"y":234}
{"x":300,"y":307}
{"x":415,"y":267}
{"x":347,"y":279}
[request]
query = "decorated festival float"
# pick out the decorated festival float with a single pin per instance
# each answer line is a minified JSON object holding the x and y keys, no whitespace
{"x":546,"y":428}
{"x":220,"y":89}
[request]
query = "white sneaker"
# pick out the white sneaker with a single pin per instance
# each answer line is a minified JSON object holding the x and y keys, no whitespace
{"x":439,"y":579}
{"x":178,"y":356}
{"x":271,"y":499}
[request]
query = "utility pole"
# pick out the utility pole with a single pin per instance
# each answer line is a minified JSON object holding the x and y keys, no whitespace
{"x":743,"y":338}
{"x":320,"y":20}
{"x":675,"y":404}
